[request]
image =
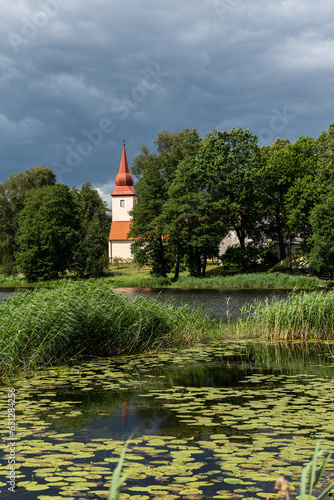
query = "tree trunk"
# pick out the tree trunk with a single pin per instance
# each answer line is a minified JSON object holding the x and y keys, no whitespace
{"x":290,"y":253}
{"x":281,"y":245}
{"x":204,"y":266}
{"x":241,"y":236}
{"x":177,"y":267}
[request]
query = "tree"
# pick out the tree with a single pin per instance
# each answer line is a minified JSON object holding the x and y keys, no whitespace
{"x":13,"y":194}
{"x":147,"y":228}
{"x":322,"y":240}
{"x":90,"y":256}
{"x":48,"y":232}
{"x":303,"y":194}
{"x":155,"y":173}
{"x":288,"y":175}
{"x":228,"y":164}
{"x":193,"y":221}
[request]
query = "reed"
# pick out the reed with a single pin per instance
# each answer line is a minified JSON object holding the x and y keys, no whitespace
{"x":65,"y":324}
{"x":252,"y":280}
{"x":304,"y":316}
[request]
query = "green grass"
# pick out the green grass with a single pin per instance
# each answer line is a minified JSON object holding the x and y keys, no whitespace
{"x":77,"y":319}
{"x":305,"y":316}
{"x":252,"y":280}
{"x":132,"y":276}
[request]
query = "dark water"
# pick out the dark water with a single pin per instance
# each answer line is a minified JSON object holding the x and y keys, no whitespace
{"x":202,"y":393}
{"x":4,"y":295}
{"x":221,"y":303}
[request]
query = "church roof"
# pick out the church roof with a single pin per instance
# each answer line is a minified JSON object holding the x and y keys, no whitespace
{"x":124,"y":180}
{"x":119,"y":230}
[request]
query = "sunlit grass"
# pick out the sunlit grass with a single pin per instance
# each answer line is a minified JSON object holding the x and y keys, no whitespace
{"x":253,"y":280}
{"x":88,"y":318}
{"x":303,"y":316}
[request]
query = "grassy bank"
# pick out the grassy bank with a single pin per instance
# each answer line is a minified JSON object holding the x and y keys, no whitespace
{"x":305,"y":316}
{"x":251,"y":280}
{"x":77,"y":319}
{"x":128,"y":275}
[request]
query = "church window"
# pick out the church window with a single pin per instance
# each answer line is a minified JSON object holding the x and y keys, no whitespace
{"x":122,"y":203}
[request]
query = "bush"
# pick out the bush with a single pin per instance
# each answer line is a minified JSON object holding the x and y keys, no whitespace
{"x":244,"y":257}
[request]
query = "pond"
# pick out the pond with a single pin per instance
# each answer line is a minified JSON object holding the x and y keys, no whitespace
{"x":218,"y":420}
{"x":221,"y":303}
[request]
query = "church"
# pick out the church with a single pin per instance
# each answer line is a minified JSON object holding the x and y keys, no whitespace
{"x":123,"y":200}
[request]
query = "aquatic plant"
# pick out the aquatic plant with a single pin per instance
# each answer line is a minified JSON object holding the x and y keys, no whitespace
{"x":117,"y":481}
{"x":309,"y":478}
{"x":88,"y":318}
{"x":303,"y":316}
{"x":252,"y":280}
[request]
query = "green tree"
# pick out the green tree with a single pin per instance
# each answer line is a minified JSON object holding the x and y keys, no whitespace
{"x":13,"y":192}
{"x":48,"y":232}
{"x":303,"y":194}
{"x":155,"y":173}
{"x":288,"y":175}
{"x":193,"y":221}
{"x":147,"y":227}
{"x":228,"y":164}
{"x":322,"y":240}
{"x":325,"y":170}
{"x":90,"y":256}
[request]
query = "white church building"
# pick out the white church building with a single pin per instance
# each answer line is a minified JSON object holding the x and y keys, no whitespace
{"x":123,"y":200}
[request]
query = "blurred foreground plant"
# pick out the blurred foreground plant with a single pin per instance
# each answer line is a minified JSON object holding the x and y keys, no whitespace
{"x":309,"y":478}
{"x":117,"y":481}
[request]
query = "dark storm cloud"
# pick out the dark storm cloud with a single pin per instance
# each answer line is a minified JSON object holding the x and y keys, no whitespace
{"x":76,"y":78}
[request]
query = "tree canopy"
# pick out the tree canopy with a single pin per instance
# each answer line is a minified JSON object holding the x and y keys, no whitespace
{"x":47,"y":229}
{"x":192,"y":192}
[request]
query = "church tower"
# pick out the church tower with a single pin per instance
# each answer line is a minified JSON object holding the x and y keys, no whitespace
{"x":123,"y":200}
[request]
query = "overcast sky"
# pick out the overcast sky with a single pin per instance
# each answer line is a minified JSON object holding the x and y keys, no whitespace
{"x":79,"y":77}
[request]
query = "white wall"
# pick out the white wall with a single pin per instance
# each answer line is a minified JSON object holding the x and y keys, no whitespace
{"x":122,"y":213}
{"x":121,"y":249}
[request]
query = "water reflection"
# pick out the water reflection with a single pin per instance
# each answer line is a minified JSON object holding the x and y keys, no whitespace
{"x":224,"y":403}
{"x":221,"y":303}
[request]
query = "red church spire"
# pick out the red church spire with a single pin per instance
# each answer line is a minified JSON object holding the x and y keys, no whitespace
{"x":124,"y":180}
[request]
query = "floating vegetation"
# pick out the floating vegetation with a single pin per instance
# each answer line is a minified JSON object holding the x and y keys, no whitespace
{"x":192,"y":436}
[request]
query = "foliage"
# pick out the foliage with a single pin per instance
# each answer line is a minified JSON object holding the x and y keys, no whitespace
{"x":47,"y":232}
{"x":288,"y":175}
{"x":304,"y":316}
{"x":156,"y":172}
{"x":91,"y":253}
{"x":228,"y":166}
{"x":13,"y":193}
{"x":322,"y":240}
{"x":117,"y":481}
{"x":82,"y":318}
{"x":193,"y":221}
{"x":251,"y":280}
{"x":245,"y":257}
{"x":48,"y":226}
{"x":310,"y":478}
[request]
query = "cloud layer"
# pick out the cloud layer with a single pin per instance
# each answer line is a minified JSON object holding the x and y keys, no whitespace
{"x":76,"y":79}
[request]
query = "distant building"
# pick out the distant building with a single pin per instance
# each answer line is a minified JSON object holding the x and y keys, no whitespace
{"x":123,"y":200}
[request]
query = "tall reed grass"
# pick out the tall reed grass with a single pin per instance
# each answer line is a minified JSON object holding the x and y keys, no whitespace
{"x":303,"y":316}
{"x":252,"y":280}
{"x":88,"y":318}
